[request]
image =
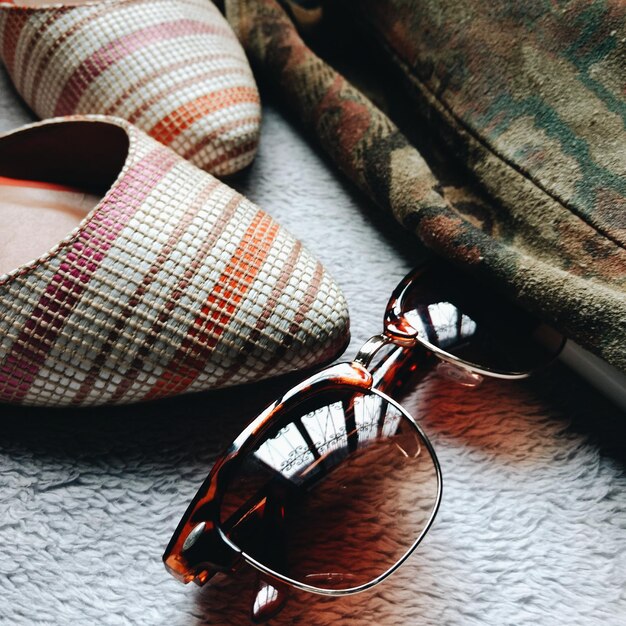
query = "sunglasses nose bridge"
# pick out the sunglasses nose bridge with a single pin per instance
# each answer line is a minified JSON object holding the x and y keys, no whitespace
{"x":204,"y":553}
{"x":375,"y":344}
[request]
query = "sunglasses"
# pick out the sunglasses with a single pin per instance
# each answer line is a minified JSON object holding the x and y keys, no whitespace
{"x":334,"y":485}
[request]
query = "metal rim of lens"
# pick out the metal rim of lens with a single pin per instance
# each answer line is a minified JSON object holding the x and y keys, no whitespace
{"x":342,"y":592}
{"x":448,"y":357}
{"x":396,"y":325}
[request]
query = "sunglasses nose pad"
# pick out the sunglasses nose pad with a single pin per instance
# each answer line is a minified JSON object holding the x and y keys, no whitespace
{"x":459,"y":375}
{"x":270,"y":597}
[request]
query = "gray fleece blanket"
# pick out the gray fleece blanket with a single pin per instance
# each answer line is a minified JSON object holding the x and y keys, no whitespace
{"x":532,"y":528}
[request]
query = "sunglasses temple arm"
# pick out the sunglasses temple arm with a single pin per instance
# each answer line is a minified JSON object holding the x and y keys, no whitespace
{"x":402,"y":366}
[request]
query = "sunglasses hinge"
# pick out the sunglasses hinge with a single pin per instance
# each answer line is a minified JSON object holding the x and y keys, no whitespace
{"x":205,"y":553}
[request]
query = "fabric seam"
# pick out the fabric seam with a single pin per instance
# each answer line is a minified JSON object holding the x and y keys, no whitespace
{"x":473,"y":136}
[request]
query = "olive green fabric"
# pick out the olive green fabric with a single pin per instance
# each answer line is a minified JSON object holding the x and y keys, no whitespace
{"x":534,"y":88}
{"x":536,"y":115}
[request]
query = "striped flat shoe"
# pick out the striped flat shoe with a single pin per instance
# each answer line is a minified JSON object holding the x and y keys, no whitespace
{"x":168,"y":281}
{"x":173,"y":68}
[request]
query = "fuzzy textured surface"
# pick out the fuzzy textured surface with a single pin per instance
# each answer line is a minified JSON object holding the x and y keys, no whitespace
{"x":532,"y":528}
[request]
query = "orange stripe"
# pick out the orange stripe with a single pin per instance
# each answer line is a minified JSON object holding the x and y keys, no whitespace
{"x":221,"y":305}
{"x":179,"y":86}
{"x":148,"y":278}
{"x":160,"y":72}
{"x":210,"y":138}
{"x":35,"y":184}
{"x":176,"y":293}
{"x":187,"y":114}
{"x":268,"y":310}
{"x":296,"y":324}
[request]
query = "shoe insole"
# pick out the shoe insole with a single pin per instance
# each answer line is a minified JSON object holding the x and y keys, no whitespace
{"x":35,"y":216}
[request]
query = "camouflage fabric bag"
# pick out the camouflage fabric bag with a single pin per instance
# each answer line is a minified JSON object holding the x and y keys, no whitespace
{"x":531,"y":97}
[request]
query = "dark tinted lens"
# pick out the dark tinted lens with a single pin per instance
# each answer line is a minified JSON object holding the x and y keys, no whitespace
{"x":336,"y":494}
{"x":459,"y":316}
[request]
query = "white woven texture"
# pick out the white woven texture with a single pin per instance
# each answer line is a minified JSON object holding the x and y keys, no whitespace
{"x":172,"y":67}
{"x":188,"y":287}
{"x":532,"y":529}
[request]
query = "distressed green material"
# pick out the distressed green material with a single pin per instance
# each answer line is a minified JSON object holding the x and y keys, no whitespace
{"x":531,"y":97}
{"x":538,"y":85}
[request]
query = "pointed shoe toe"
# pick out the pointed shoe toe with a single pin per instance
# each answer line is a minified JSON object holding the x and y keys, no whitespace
{"x":174,"y":68}
{"x":171,"y":283}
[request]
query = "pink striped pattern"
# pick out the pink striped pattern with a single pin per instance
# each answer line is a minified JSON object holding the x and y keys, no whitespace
{"x":77,"y":267}
{"x":173,"y":283}
{"x":159,"y":61}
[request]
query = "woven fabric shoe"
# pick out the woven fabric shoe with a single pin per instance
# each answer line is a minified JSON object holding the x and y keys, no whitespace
{"x":173,"y":282}
{"x":171,"y":67}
